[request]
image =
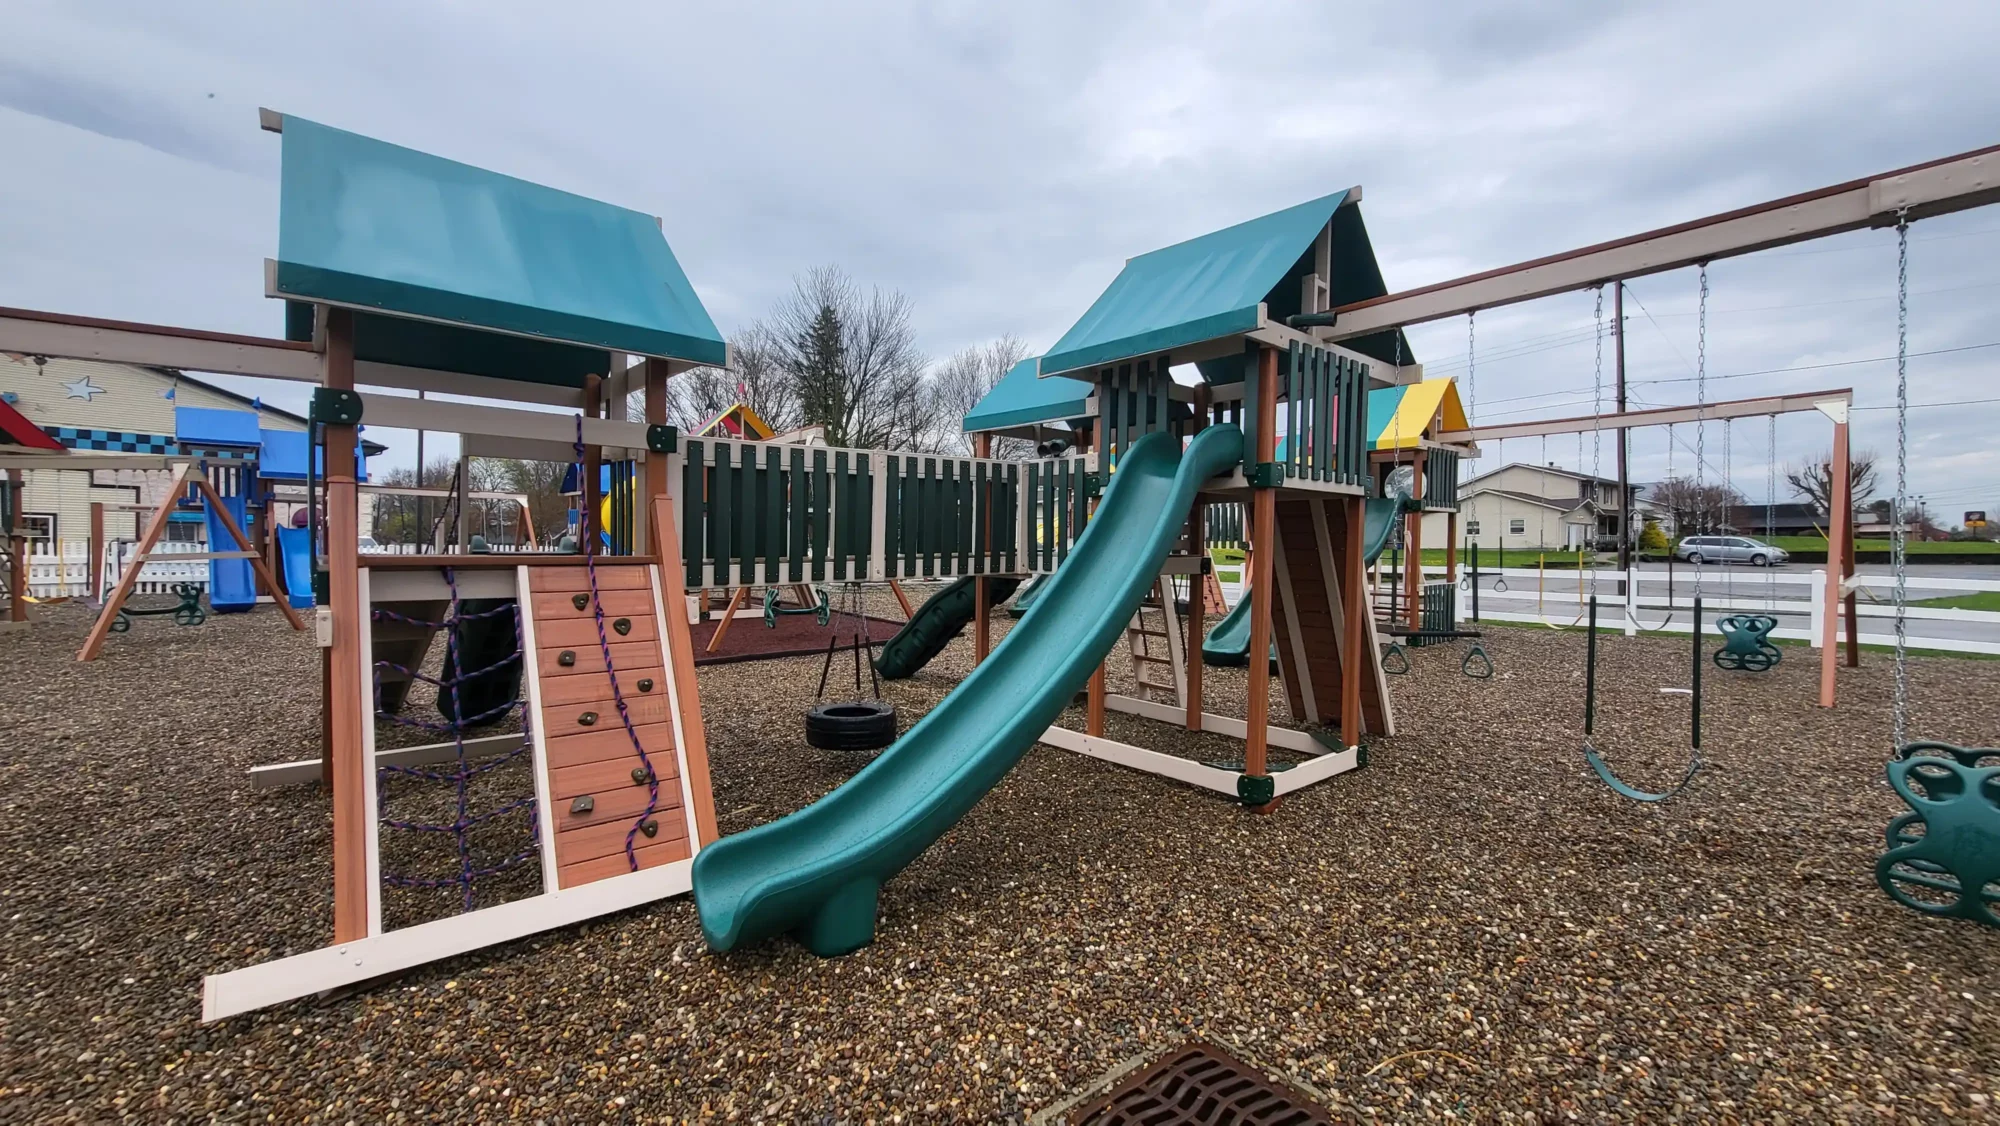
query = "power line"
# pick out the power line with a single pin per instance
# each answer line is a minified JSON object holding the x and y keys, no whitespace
{"x":1832,"y":364}
{"x":1949,"y":403}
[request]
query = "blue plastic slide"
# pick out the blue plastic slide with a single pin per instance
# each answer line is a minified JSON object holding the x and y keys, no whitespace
{"x":232,"y":585}
{"x":295,"y":565}
{"x":815,"y":874}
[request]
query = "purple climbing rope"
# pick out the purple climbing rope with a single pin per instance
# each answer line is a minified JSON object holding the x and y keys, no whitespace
{"x":611,"y":670}
{"x":465,"y":769}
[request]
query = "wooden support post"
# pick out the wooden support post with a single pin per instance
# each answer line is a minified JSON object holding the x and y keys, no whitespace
{"x":1853,"y":612}
{"x":1197,"y":536}
{"x":94,"y":581}
{"x":589,"y":493}
{"x":1263,"y":525}
{"x":350,"y":695}
{"x":902,"y":599}
{"x":1839,"y":518}
{"x":1358,"y":661}
{"x":1413,"y":543}
{"x":728,"y":616}
{"x":982,"y":598}
{"x":657,"y":483}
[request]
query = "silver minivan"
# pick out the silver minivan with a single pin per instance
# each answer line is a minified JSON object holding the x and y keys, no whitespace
{"x":1729,"y":549}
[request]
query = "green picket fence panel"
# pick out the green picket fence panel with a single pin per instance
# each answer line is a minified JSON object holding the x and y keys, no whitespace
{"x":1441,"y":480}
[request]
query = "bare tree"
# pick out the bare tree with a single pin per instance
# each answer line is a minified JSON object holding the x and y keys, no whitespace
{"x":961,"y":381}
{"x":1697,"y":506}
{"x":1813,"y":480}
{"x":540,"y":481}
{"x":853,"y":361}
{"x":757,"y":378}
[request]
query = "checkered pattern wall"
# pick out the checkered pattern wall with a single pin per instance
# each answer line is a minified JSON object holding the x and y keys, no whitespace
{"x":115,"y":441}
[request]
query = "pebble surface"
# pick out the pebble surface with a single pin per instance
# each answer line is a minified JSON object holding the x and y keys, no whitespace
{"x":1470,"y":929}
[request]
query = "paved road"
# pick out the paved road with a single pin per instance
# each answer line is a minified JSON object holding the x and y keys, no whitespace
{"x":1751,"y":589}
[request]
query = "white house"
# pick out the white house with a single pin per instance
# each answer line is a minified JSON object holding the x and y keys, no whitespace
{"x":1535,"y":508}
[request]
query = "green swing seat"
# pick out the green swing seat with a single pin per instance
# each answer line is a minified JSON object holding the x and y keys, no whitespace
{"x":1745,"y":644}
{"x":1943,"y":857}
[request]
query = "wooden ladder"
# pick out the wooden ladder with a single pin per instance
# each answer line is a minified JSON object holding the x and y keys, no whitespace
{"x":1159,"y":669}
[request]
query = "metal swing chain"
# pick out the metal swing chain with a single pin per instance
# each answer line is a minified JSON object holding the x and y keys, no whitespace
{"x":1898,"y":539}
{"x":1596,"y":432}
{"x":1701,"y":415}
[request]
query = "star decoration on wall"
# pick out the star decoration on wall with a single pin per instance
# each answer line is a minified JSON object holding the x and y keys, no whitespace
{"x":82,"y":389}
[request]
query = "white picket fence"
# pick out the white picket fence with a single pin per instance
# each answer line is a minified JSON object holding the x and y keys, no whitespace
{"x":67,"y":575}
{"x":1796,"y":599}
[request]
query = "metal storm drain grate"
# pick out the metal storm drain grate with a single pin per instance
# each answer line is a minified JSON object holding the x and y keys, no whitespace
{"x":1202,"y":1084}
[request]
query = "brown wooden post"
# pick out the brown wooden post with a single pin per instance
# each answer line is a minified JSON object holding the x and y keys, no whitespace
{"x":728,"y":616}
{"x":982,"y":606}
{"x":17,"y":554}
{"x":1197,"y":534}
{"x":1839,"y":518}
{"x":94,"y":581}
{"x":348,"y":690}
{"x":1263,"y":525}
{"x":593,"y":462}
{"x":680,"y":649}
{"x":657,"y":481}
{"x":1853,"y":613}
{"x":902,"y":599}
{"x":1356,"y":660}
{"x":1413,"y":543}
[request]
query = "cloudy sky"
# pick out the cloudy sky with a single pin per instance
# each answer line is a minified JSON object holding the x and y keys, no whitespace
{"x":998,"y":162}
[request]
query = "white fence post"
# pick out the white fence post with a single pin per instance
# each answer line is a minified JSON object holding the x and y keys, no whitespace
{"x":1631,"y":602}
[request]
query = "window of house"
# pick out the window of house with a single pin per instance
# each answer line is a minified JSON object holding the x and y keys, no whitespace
{"x":1517,"y":527}
{"x":1472,"y":527}
{"x":39,"y":527}
{"x":184,"y":531}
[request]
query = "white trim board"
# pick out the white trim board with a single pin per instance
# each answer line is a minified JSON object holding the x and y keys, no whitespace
{"x":302,"y":975}
{"x":305,"y":770}
{"x":1286,"y":737}
{"x":1139,"y":758}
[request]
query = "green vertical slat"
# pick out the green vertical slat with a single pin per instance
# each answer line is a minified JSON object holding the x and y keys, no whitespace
{"x":1134,"y":426}
{"x":891,"y":516}
{"x":1047,"y":512}
{"x":1325,"y":412}
{"x":843,"y":536}
{"x":774,"y":514}
{"x":822,"y":488}
{"x":798,"y":502}
{"x":694,"y":510}
{"x":864,"y":514}
{"x":968,"y":522}
{"x":927,"y":550}
{"x":1289,"y":388}
{"x":982,"y":520}
{"x":1107,"y":435}
{"x":1031,"y":497}
{"x":914,"y":531}
{"x":722,"y":517}
{"x":745,"y":531}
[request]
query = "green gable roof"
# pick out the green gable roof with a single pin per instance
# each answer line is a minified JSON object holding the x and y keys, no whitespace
{"x":1020,"y":399}
{"x":376,"y":226}
{"x":1210,"y":287}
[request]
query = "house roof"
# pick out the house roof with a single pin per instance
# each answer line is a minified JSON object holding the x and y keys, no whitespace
{"x":439,"y":256}
{"x":1021,"y":399}
{"x":1400,"y":417}
{"x":1550,"y":469}
{"x":1211,"y":287}
{"x":17,"y":430}
{"x":1465,"y":491}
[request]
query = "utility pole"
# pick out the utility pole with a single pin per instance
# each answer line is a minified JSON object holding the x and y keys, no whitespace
{"x":1624,"y":485}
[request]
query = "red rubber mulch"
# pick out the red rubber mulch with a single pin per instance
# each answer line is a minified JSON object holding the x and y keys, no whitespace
{"x":797,"y":635}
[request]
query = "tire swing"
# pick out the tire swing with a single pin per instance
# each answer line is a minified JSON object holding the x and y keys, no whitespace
{"x":857,"y":724}
{"x":1943,"y":856}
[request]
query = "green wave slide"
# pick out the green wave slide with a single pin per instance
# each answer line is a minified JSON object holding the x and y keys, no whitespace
{"x":816,"y":873}
{"x":1228,"y":644}
{"x":940,"y":619}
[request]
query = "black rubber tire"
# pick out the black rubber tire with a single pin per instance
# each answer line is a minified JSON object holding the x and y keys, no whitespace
{"x":851,"y":725}
{"x":1759,"y":560}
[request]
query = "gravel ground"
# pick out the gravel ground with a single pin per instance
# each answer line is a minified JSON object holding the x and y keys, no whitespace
{"x":1470,"y":929}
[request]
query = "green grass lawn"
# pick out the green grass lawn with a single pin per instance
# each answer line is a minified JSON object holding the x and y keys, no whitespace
{"x":1976,"y":600}
{"x":1875,"y":546}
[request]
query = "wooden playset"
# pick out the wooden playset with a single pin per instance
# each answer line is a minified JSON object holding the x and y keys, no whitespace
{"x":567,"y":776}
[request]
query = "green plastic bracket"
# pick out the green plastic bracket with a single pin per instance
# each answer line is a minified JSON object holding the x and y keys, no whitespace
{"x":1256,"y":789}
{"x":322,"y":592}
{"x":663,"y":439}
{"x":1093,"y":484}
{"x":1267,"y":475}
{"x":335,"y":406}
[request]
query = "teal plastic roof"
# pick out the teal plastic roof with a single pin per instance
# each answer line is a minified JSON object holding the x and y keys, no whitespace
{"x":1209,"y":287}
{"x":1192,"y":291}
{"x":1020,"y":399}
{"x":372,"y":225}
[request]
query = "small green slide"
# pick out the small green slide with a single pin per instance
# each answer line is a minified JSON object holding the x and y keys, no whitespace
{"x":1027,"y":599}
{"x":815,"y":874}
{"x":1228,"y":644}
{"x":935,"y":623}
